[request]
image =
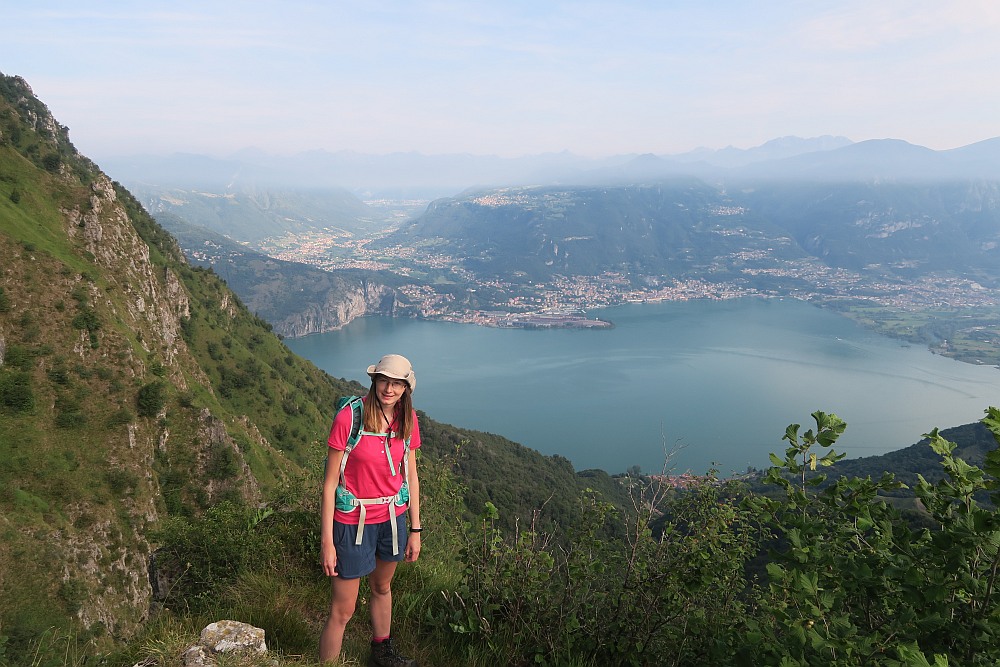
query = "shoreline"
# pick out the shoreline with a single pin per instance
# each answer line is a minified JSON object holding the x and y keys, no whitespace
{"x":575,"y":320}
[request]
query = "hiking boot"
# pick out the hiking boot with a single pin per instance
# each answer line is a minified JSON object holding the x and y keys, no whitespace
{"x":384,"y":654}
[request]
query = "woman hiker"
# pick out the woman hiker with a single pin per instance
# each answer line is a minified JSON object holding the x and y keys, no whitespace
{"x":370,"y":483}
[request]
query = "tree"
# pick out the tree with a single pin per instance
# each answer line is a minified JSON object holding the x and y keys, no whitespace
{"x":150,"y":399}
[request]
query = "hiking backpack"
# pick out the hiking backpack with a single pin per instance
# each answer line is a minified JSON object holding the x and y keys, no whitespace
{"x":347,"y":501}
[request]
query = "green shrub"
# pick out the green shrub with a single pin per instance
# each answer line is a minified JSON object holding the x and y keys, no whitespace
{"x":222,"y":463}
{"x":186,"y":399}
{"x":845,"y":580}
{"x":593,"y":599}
{"x":70,"y":419}
{"x":73,"y":592}
{"x":51,"y":162}
{"x":120,"y":417}
{"x":87,"y":319}
{"x":209,"y":552}
{"x":150,"y":399}
{"x":16,"y":394}
{"x":59,"y":374}
{"x":121,"y":482}
{"x":850,"y":582}
{"x":20,"y":357}
{"x":69,"y":412}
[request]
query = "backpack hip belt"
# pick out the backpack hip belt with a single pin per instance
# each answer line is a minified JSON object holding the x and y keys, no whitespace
{"x":348,"y":502}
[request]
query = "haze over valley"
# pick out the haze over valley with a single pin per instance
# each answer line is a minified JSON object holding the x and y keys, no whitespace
{"x":902,"y":238}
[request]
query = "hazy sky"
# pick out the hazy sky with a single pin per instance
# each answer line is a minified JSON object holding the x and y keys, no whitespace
{"x":505,"y":77}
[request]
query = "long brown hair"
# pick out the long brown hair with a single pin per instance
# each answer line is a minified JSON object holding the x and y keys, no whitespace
{"x":373,"y":412}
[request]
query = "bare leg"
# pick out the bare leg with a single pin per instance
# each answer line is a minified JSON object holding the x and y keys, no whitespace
{"x":380,"y":582}
{"x":343,"y":599}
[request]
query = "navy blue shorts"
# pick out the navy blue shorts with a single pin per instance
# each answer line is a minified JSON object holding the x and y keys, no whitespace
{"x":355,"y":561}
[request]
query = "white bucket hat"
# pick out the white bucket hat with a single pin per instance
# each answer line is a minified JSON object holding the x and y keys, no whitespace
{"x":394,"y":366}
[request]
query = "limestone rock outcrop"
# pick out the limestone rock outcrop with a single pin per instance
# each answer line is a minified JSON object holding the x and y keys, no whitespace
{"x":338,"y":308}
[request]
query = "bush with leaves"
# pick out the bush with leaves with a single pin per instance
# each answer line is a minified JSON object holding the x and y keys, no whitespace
{"x":852,"y":583}
{"x":16,"y":393}
{"x":585,"y":597}
{"x":150,"y":399}
{"x":847,"y":579}
{"x":201,"y":556}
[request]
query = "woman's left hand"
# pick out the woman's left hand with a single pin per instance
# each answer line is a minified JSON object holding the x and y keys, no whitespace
{"x":412,"y":547}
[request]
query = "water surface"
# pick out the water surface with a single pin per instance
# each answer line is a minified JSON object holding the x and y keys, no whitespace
{"x":687,"y":385}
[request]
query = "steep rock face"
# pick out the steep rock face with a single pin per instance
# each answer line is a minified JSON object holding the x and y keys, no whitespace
{"x":213,"y":436}
{"x":91,"y":536}
{"x":90,"y":317}
{"x":155,"y":300}
{"x":338,"y":309}
{"x":295,"y":298}
{"x":149,"y":301}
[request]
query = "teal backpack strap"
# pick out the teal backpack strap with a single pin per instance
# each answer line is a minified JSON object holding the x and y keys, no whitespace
{"x":357,"y":416}
{"x":357,"y":407}
{"x":403,"y":496}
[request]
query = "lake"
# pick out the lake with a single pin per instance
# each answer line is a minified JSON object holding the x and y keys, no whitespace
{"x":681,"y":386}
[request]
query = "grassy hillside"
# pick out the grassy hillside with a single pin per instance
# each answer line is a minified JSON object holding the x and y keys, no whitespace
{"x":137,"y":391}
{"x":133,"y":388}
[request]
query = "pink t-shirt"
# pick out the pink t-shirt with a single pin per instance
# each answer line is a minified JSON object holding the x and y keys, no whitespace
{"x":367,"y":474}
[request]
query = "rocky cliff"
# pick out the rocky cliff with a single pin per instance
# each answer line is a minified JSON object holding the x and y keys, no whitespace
{"x":133,"y":387}
{"x":338,"y":309}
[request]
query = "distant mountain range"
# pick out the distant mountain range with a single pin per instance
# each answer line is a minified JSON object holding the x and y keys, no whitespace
{"x":884,"y":160}
{"x":252,"y":197}
{"x":758,"y":218}
{"x":776,"y":149}
{"x":253,"y":214}
{"x":414,"y":175}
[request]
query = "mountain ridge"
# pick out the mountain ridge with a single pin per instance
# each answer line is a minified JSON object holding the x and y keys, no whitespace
{"x":404,"y":175}
{"x":296,"y":299}
{"x":689,"y":227}
{"x":111,"y":419}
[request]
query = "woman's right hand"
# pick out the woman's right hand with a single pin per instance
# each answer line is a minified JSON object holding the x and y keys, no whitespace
{"x":328,"y":559}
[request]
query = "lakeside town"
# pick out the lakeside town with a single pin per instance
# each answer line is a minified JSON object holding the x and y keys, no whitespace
{"x":563,"y":301}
